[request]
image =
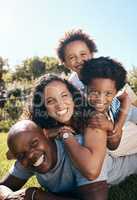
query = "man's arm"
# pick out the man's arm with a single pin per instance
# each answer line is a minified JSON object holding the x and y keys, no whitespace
{"x":93,"y":191}
{"x":12,"y":182}
{"x":16,"y":193}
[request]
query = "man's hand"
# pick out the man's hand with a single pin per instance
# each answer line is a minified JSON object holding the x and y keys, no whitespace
{"x":22,"y":194}
{"x":4,"y":192}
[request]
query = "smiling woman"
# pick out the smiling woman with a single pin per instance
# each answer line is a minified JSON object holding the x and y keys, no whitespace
{"x":56,"y":103}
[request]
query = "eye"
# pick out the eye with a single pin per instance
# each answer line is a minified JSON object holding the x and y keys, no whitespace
{"x":109,"y":94}
{"x":34,"y":143}
{"x":83,"y":54}
{"x":71,"y":58}
{"x":93,"y":93}
{"x":20,"y":156}
{"x":64,"y":95}
{"x":50,"y":101}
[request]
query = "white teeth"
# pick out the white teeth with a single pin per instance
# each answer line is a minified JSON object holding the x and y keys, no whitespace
{"x":39,"y":161}
{"x":99,"y":105}
{"x":62,"y":112}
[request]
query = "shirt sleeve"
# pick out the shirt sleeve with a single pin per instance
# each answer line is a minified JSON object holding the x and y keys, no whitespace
{"x":19,"y":171}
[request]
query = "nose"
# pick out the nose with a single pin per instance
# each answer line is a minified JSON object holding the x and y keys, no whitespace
{"x":29,"y":159}
{"x":101,"y":97}
{"x":59,"y":103}
{"x":79,"y":60}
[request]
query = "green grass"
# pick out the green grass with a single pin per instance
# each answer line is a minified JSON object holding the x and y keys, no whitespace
{"x":127,"y":190}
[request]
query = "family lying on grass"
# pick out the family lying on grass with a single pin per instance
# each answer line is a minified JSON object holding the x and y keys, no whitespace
{"x":63,"y":145}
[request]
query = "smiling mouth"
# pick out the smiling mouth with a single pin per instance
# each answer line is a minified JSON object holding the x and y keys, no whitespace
{"x":39,"y":161}
{"x":62,"y":112}
{"x":78,"y":67}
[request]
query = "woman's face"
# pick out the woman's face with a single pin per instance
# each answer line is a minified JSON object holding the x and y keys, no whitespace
{"x":59,"y":102}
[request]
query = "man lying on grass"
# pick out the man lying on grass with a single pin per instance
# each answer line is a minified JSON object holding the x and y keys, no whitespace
{"x":37,"y":154}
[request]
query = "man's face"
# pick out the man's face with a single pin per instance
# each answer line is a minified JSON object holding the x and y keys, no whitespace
{"x":59,"y":102}
{"x":101,"y":92}
{"x":75,"y":54}
{"x":34,"y":151}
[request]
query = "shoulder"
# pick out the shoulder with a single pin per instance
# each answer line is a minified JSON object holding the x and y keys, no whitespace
{"x":19,"y":171}
{"x":74,"y":79}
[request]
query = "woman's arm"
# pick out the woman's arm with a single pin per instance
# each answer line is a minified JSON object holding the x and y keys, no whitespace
{"x":88,"y":158}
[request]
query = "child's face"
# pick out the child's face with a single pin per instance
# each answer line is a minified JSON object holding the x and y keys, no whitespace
{"x":101,"y":92}
{"x":59,"y":102}
{"x":75,"y":53}
{"x":34,"y":151}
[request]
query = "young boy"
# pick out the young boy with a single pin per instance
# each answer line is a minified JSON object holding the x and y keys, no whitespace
{"x":73,"y":50}
{"x":104,"y":77}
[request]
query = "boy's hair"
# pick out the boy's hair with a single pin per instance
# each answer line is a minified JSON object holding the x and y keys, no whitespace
{"x":73,"y":36}
{"x":104,"y":67}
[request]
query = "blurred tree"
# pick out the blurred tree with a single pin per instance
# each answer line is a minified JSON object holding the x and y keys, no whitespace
{"x":3,"y":64}
{"x":37,"y":67}
{"x":132,"y":77}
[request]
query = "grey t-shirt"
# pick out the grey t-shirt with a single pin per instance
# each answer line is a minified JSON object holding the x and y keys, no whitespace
{"x":63,"y":177}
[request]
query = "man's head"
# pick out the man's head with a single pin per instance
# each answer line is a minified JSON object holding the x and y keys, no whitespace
{"x":31,"y":146}
{"x":103,"y":77}
{"x":75,"y":48}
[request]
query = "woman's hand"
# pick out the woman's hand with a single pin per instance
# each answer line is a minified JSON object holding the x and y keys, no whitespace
{"x":65,"y":129}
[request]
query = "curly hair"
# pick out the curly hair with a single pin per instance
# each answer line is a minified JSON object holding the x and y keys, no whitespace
{"x":104,"y":67}
{"x":73,"y":36}
{"x":39,"y":112}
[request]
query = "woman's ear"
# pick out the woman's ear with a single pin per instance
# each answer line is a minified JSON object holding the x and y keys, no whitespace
{"x":9,"y":155}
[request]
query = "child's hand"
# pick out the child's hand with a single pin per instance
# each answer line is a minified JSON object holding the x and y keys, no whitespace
{"x":117,"y":129}
{"x":99,"y":120}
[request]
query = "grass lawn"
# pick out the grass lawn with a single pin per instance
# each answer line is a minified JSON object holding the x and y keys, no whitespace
{"x":124,"y":191}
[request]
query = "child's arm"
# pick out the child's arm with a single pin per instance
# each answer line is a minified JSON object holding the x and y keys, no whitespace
{"x":124,"y":107}
{"x":99,"y":120}
{"x":88,"y":158}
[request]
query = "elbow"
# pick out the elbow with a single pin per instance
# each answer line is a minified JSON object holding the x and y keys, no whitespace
{"x":113,"y":148}
{"x":92,"y":174}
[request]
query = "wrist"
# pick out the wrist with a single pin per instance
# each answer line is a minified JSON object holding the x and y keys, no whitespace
{"x":65,"y":136}
{"x":32,"y":193}
{"x":111,"y":126}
